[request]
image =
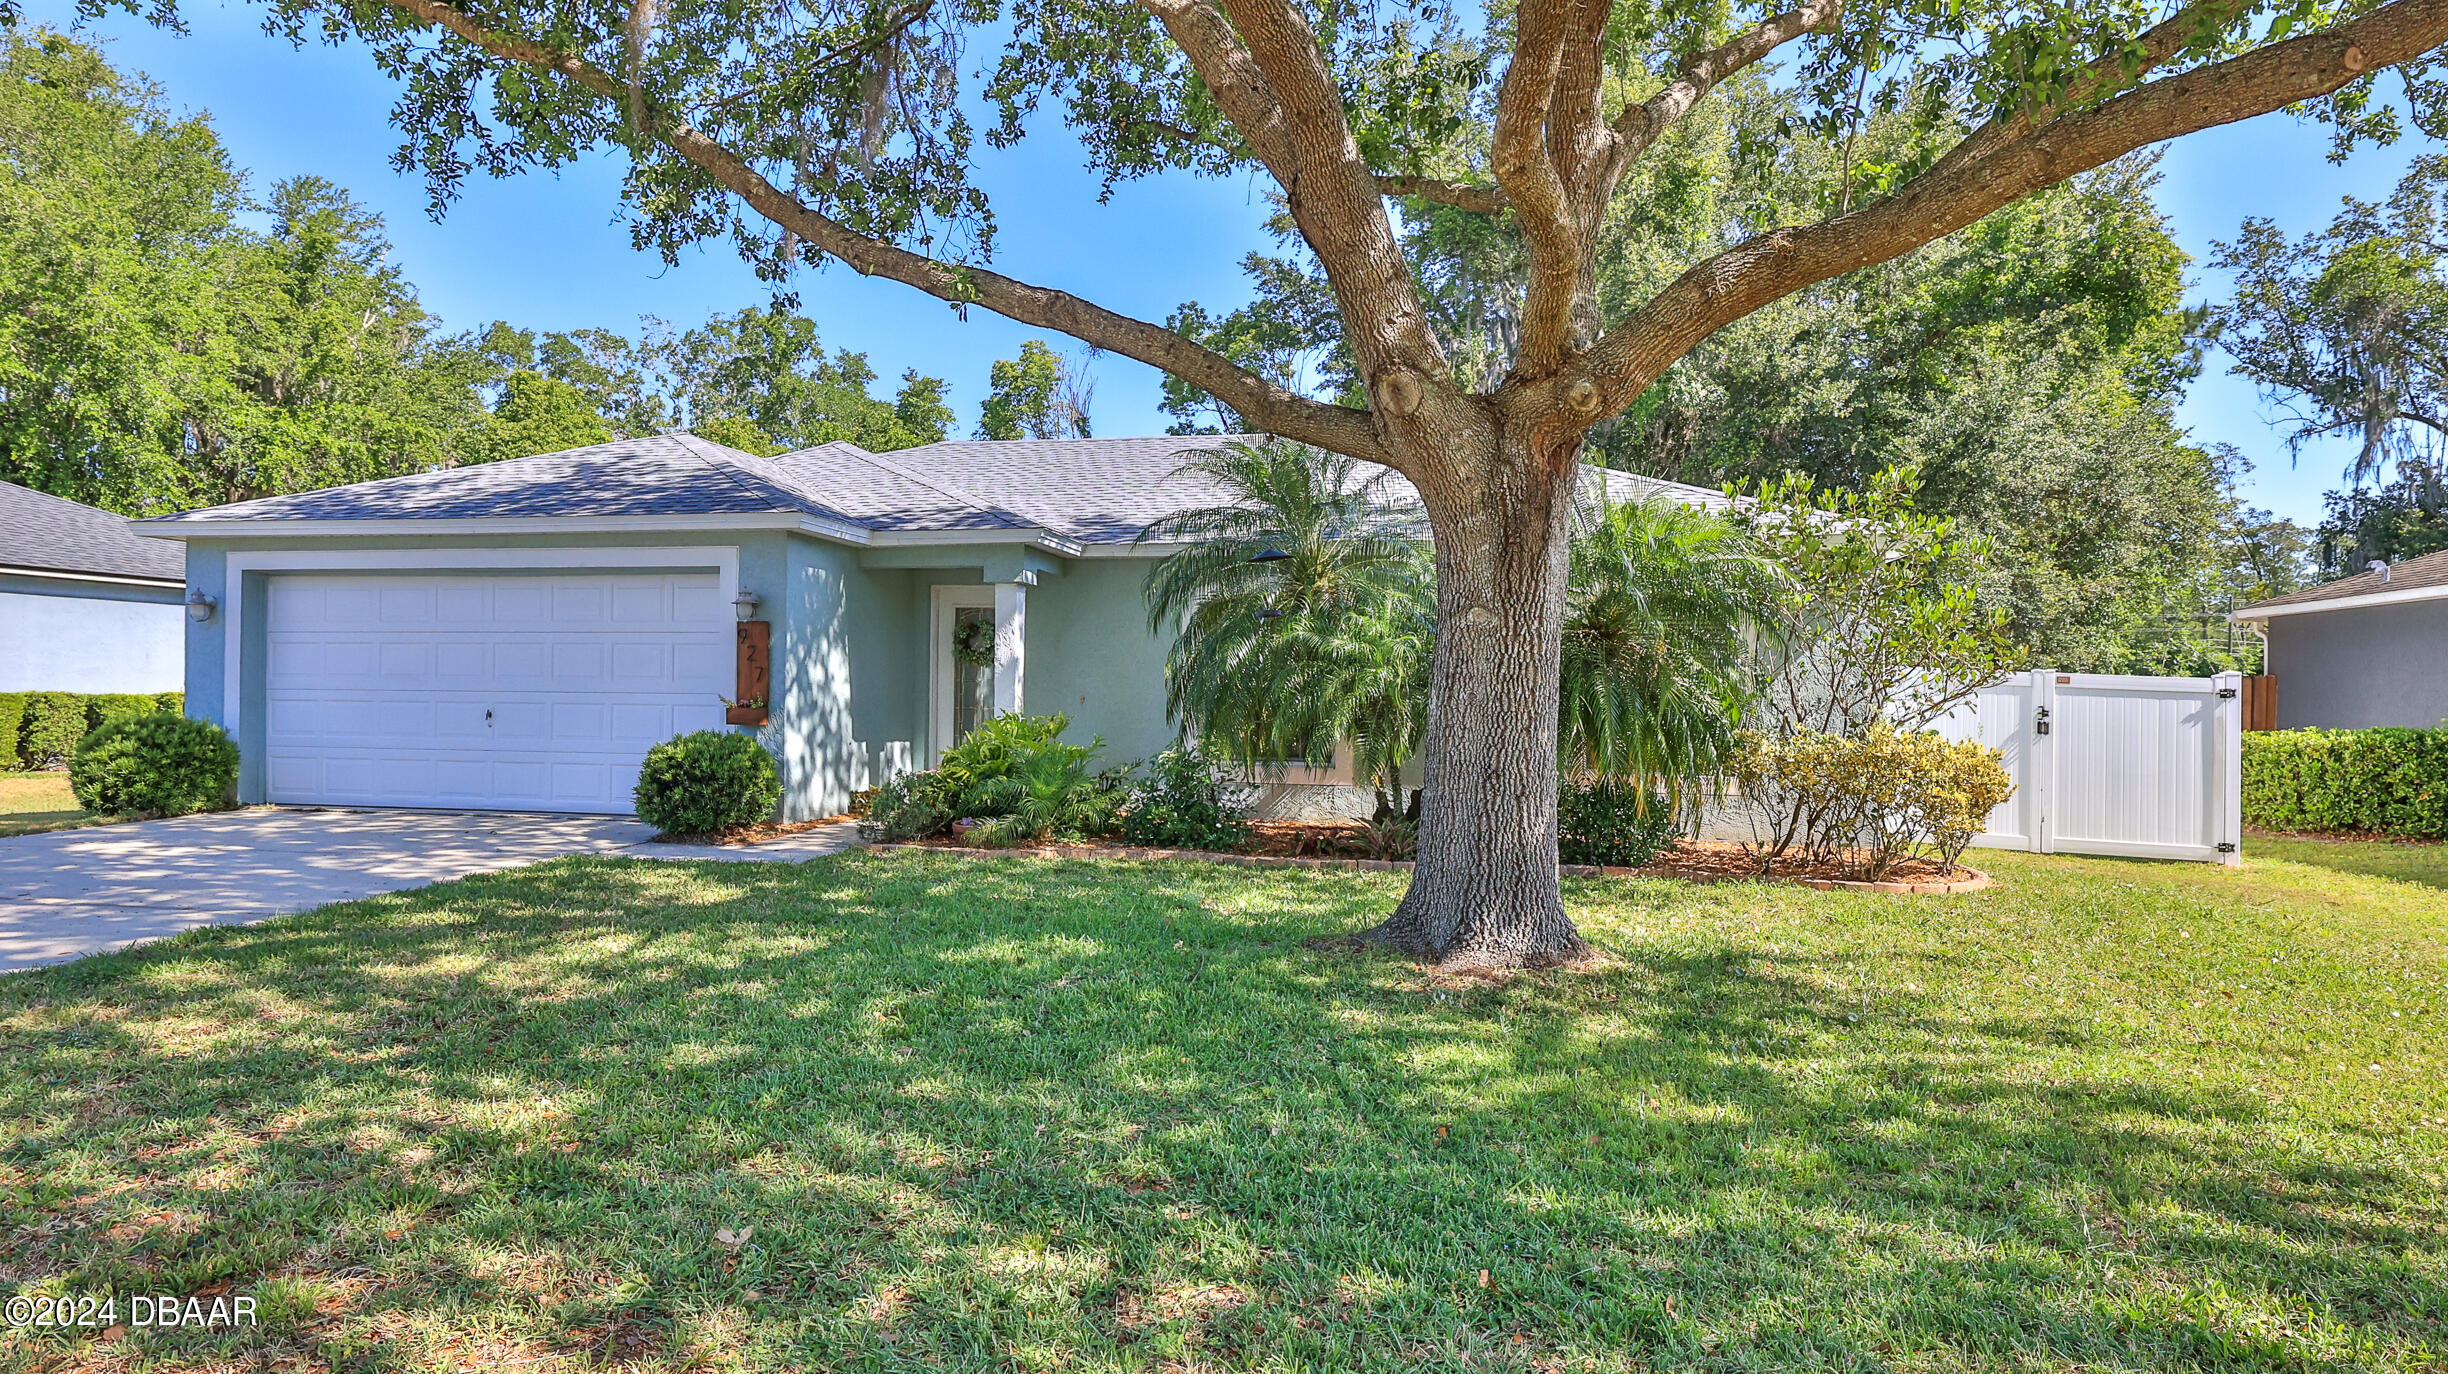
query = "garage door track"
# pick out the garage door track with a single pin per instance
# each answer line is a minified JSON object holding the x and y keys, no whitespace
{"x":75,"y":892}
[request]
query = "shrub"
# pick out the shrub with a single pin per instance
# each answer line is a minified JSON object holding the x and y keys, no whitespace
{"x":1046,"y":793}
{"x":910,"y":807}
{"x":12,"y":720}
{"x":54,"y":722}
{"x":2382,"y":782}
{"x":173,"y":702}
{"x":1618,"y":824}
{"x":1182,"y":801}
{"x":1882,"y":793}
{"x":707,"y":782}
{"x":155,"y":765}
{"x":987,"y":752}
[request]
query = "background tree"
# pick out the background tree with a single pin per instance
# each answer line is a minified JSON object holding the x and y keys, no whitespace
{"x":158,"y":353}
{"x":816,"y":130}
{"x":2347,"y":327}
{"x":769,"y":368}
{"x":2403,"y":517}
{"x":1039,"y":395}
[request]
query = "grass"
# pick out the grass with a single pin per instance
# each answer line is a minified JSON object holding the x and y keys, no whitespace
{"x":2407,"y":861}
{"x":902,"y":1112}
{"x":32,"y":802}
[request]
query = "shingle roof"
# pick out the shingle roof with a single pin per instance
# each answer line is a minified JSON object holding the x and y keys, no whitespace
{"x":1093,"y":491}
{"x":2429,"y":570}
{"x":44,"y":532}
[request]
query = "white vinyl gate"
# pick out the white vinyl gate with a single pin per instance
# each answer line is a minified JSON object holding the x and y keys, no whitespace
{"x":2104,"y":764}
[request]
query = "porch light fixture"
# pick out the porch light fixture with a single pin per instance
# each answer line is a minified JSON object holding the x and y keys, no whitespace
{"x":745,"y":604}
{"x":200,"y":607}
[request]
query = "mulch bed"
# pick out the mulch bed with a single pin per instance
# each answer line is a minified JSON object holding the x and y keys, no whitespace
{"x":758,"y":833}
{"x":1328,"y":844}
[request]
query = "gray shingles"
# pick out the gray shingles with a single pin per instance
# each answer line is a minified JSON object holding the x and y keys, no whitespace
{"x":2429,"y":570}
{"x":38,"y":530}
{"x":1095,"y":491}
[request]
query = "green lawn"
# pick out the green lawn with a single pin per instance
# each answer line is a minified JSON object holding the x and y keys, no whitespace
{"x":1037,"y":1115}
{"x":2407,"y":861}
{"x":39,"y":801}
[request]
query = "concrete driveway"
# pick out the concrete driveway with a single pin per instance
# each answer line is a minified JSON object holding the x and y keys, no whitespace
{"x":70,"y":893}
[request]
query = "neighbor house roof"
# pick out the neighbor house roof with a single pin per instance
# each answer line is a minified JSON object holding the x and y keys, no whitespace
{"x":42,"y":533}
{"x":2415,"y":579}
{"x":1077,"y":491}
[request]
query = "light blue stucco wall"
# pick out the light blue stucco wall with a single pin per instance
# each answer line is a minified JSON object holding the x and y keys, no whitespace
{"x":62,"y":635}
{"x":1092,"y":656}
{"x":2355,"y":669}
{"x":851,"y":656}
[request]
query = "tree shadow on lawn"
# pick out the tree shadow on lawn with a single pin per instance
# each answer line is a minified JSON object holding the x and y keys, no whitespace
{"x":2423,"y":864}
{"x":1033,"y":1115}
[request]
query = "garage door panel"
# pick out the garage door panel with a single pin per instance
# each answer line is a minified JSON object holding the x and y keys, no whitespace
{"x":486,"y":690}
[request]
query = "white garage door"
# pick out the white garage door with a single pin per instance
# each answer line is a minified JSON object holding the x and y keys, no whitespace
{"x":486,"y":691}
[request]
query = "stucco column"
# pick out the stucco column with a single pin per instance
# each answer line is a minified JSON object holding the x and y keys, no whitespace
{"x":1010,"y":645}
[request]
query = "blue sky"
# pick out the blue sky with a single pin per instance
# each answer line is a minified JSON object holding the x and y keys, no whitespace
{"x":552,"y":253}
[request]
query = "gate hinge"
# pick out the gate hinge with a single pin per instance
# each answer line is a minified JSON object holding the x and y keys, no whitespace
{"x":2226,"y":693}
{"x":2226,"y":846}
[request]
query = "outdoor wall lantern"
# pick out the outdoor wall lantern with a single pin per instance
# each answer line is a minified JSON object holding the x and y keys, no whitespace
{"x":746,"y":604}
{"x":200,"y":607}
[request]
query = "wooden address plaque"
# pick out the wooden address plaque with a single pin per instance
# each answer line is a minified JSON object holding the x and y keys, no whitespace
{"x":754,"y":693}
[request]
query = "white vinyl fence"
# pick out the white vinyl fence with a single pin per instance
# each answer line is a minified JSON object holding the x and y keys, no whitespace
{"x":2105,"y":764}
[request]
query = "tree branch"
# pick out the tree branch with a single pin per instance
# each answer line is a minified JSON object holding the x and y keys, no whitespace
{"x":1640,"y":125}
{"x":1479,"y":200}
{"x":2156,"y":45}
{"x":1936,"y":203}
{"x":1272,"y":408}
{"x":1534,"y":185}
{"x":1333,"y":197}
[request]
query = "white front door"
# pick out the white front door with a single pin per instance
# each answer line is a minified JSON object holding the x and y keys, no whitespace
{"x":961,"y":689}
{"x":487,"y":691}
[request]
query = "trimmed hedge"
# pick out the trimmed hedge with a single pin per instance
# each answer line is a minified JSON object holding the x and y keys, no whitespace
{"x":41,"y":729}
{"x":2380,"y":782}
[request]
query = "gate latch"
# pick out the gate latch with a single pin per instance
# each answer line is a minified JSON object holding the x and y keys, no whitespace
{"x":2226,"y":847}
{"x":2040,"y":725}
{"x":2226,"y":693}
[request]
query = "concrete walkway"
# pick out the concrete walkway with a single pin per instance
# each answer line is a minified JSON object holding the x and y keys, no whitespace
{"x":70,"y":893}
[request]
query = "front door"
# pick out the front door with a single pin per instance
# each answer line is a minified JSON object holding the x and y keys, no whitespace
{"x":962,"y":675}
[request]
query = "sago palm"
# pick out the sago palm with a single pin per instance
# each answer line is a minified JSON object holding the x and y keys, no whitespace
{"x":1663,"y":602}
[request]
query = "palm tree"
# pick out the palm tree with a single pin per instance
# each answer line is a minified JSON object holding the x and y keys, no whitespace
{"x":1663,"y":604}
{"x":1305,"y":608}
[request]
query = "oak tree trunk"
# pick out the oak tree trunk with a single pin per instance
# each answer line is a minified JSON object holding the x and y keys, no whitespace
{"x":1483,"y":892}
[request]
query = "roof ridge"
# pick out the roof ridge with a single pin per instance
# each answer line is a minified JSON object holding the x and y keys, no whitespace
{"x":968,"y":498}
{"x":2361,"y":583}
{"x":720,"y":461}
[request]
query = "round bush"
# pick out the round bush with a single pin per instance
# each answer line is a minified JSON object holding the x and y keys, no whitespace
{"x":155,"y":765}
{"x":707,"y":782}
{"x":1612,"y":823}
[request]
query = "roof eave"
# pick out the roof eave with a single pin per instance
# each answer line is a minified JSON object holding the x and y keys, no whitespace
{"x":172,"y":527}
{"x":2399,"y":596}
{"x":69,"y":575}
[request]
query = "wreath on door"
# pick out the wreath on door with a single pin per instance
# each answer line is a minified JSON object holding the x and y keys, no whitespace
{"x":973,"y":644}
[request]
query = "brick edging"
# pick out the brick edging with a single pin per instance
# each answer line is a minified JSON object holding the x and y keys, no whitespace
{"x":1974,"y":883}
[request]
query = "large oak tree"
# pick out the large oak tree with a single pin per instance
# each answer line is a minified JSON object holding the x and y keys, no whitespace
{"x":842,"y":129}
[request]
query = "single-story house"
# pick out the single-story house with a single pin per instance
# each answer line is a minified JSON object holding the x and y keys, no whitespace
{"x":85,"y":605}
{"x":515,"y":635}
{"x":2362,"y":651}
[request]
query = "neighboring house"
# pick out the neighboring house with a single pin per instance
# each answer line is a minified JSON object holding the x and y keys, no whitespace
{"x":85,"y":605}
{"x":2366,"y":650}
{"x":515,"y":635}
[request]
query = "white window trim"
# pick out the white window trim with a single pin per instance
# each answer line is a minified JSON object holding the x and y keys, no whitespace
{"x":945,"y":600}
{"x":722,"y":558}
